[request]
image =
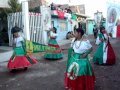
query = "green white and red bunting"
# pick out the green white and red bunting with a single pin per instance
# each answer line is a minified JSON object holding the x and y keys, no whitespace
{"x":61,"y":15}
{"x":36,"y":47}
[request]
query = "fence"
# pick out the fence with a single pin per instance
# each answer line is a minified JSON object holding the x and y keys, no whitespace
{"x":35,"y":26}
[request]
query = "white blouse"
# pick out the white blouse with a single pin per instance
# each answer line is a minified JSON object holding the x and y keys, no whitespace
{"x":17,"y":41}
{"x":52,"y":34}
{"x":81,"y":46}
{"x":98,"y":41}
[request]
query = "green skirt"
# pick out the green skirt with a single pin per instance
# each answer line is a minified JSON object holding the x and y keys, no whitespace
{"x":53,"y":55}
{"x":98,"y":55}
{"x":79,"y":74}
{"x":80,"y":66}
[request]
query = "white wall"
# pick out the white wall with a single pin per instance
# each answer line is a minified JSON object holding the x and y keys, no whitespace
{"x":4,"y":4}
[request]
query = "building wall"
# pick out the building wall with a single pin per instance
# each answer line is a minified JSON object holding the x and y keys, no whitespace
{"x":62,"y":28}
{"x":82,"y":9}
{"x":34,"y":3}
{"x":89,"y":27}
{"x":4,"y":4}
{"x":78,"y":9}
{"x":69,"y":26}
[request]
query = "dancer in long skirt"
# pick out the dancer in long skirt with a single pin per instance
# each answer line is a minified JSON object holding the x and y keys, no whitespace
{"x":19,"y":59}
{"x":52,"y":42}
{"x":79,"y":73}
{"x":104,"y":53}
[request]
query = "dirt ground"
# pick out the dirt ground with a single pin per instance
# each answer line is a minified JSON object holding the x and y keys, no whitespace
{"x":49,"y":75}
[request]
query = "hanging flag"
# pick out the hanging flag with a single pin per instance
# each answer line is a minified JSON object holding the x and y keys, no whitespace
{"x":74,"y":17}
{"x":60,"y":14}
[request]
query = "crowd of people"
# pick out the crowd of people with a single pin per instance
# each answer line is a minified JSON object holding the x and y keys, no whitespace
{"x":79,"y":74}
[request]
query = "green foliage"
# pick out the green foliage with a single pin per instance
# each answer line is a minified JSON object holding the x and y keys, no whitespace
{"x":3,"y":15}
{"x":14,"y":6}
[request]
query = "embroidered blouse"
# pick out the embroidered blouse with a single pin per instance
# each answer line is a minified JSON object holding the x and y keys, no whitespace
{"x":81,"y":46}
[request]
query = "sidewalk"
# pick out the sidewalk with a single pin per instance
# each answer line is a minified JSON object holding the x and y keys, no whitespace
{"x":5,"y":53}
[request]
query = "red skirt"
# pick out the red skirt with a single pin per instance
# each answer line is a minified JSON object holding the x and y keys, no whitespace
{"x":111,"y":58}
{"x":21,"y":62}
{"x":80,"y":83}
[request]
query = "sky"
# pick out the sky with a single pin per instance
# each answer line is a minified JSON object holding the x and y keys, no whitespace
{"x":91,"y":6}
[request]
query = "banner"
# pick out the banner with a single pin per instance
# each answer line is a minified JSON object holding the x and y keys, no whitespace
{"x":98,"y":17}
{"x":113,"y":17}
{"x":34,"y":47}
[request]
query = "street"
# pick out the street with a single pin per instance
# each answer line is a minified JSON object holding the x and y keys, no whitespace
{"x":49,"y":75}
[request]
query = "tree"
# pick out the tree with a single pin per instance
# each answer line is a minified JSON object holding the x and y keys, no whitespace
{"x":14,"y":6}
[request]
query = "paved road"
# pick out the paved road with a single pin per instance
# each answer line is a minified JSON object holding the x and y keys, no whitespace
{"x":49,"y":75}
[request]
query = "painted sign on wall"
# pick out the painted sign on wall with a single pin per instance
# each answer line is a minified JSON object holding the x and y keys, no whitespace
{"x":63,"y":25}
